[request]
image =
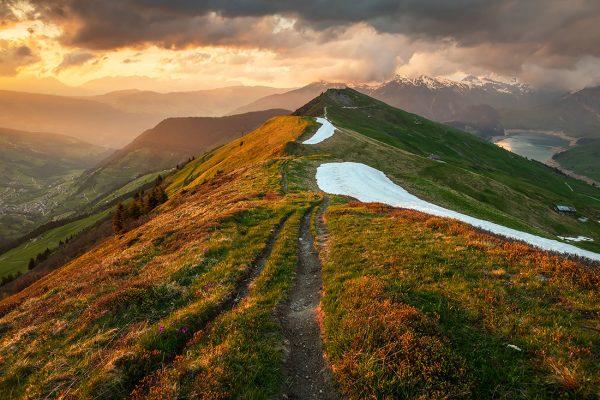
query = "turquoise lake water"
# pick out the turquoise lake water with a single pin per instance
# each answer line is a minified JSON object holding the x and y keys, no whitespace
{"x":534,"y":145}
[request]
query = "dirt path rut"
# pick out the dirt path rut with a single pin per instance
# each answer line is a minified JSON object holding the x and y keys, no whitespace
{"x":243,"y":287}
{"x":306,"y":373}
{"x":240,"y":292}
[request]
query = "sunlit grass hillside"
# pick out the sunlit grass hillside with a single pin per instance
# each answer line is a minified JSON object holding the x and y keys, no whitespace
{"x":194,"y":302}
{"x":421,"y":307}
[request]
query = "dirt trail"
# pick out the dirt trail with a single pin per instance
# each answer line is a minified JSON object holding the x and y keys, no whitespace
{"x":306,"y":373}
{"x":320,"y":223}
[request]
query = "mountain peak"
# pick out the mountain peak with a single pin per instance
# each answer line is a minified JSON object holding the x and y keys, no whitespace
{"x":326,"y":85}
{"x":513,"y":85}
{"x":430,"y":82}
{"x":469,"y":82}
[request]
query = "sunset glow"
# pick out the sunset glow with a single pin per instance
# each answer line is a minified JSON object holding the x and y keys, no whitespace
{"x":192,"y":46}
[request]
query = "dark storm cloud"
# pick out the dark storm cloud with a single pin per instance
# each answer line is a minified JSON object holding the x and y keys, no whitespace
{"x":468,"y":21}
{"x":551,"y":33}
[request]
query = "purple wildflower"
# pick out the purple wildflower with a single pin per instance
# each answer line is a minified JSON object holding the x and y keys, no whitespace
{"x":184,"y":330}
{"x":161,"y":328}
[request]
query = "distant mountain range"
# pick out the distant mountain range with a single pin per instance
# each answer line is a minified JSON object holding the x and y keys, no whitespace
{"x":575,"y":113}
{"x":82,"y":118}
{"x":289,"y":100}
{"x":168,"y":143}
{"x":199,"y":103}
{"x":116,"y":118}
{"x":479,"y":105}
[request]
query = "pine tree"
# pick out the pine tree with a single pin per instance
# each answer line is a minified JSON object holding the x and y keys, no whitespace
{"x":150,"y":201}
{"x":118,"y":220}
{"x":160,"y":195}
{"x":134,"y":209}
{"x":31,"y":264}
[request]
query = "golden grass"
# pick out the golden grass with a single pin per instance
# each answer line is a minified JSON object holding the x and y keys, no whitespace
{"x":470,"y":294}
{"x":98,"y":325}
{"x":240,"y":354}
{"x":265,"y":143}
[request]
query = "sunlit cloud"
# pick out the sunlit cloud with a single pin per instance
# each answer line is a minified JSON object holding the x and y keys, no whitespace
{"x":202,"y":44}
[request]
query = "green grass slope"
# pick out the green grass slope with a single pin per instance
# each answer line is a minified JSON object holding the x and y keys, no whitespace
{"x":433,"y":309}
{"x":16,"y":259}
{"x":583,"y":159}
{"x":471,"y":176}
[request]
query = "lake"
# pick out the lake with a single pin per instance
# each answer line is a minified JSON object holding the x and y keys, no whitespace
{"x":538,"y":146}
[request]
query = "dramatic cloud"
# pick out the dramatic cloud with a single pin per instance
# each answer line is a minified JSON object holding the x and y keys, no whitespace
{"x":14,"y":56}
{"x":550,"y":27}
{"x":504,"y":37}
{"x":74,"y":59}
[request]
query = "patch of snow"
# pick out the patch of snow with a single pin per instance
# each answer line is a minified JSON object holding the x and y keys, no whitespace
{"x":325,"y":131}
{"x":576,"y":239}
{"x":368,"y":184}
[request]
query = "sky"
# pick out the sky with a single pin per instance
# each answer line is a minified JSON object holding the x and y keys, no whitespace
{"x":170,"y":45}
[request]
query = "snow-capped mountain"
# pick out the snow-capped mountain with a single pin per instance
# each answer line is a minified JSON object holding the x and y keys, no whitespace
{"x":511,"y":87}
{"x":456,"y":102}
{"x":473,"y":103}
{"x":426,"y":82}
{"x":495,"y":92}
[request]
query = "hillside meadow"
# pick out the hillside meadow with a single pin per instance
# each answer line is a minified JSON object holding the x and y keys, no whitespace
{"x":189,"y":304}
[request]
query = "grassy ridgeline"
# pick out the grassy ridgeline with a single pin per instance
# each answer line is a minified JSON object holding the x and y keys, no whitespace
{"x":469,"y":175}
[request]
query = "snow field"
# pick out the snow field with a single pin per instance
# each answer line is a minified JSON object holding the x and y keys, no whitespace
{"x":368,"y":184}
{"x":325,"y":131}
